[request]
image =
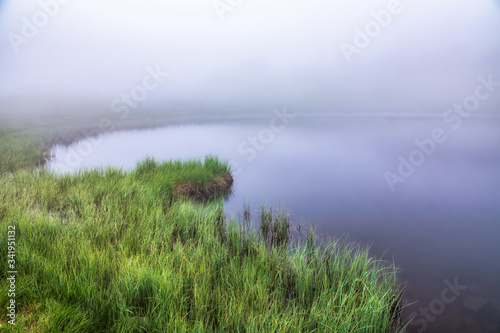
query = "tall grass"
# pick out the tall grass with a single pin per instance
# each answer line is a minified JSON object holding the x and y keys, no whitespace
{"x":21,"y":150}
{"x":109,"y":250}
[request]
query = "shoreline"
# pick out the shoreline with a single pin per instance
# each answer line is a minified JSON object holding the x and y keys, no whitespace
{"x":117,"y":211}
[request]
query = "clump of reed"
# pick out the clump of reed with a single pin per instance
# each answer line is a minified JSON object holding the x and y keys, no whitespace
{"x":274,"y":227}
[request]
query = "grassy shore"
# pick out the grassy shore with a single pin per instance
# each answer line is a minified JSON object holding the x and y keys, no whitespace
{"x":150,"y":250}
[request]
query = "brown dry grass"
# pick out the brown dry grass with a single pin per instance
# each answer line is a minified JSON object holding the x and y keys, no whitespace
{"x":220,"y":186}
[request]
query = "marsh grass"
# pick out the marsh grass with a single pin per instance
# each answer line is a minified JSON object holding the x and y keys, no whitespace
{"x":21,"y":150}
{"x":109,"y":250}
{"x":274,"y":228}
{"x":28,"y":146}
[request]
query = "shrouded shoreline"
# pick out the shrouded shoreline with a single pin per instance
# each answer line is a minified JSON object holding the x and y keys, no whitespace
{"x":150,"y":249}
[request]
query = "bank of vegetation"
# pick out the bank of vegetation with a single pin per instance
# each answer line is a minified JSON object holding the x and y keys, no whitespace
{"x":150,"y":250}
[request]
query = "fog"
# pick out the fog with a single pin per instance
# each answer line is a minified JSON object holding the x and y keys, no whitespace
{"x":424,"y":188}
{"x":249,"y":56}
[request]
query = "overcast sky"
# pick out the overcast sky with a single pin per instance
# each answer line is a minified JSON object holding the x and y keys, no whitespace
{"x":253,"y":52}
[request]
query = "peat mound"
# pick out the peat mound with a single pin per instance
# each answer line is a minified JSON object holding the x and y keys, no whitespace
{"x":220,"y":186}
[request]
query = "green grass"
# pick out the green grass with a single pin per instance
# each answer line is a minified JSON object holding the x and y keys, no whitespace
{"x":26,"y":146}
{"x":21,"y":150}
{"x":117,"y":251}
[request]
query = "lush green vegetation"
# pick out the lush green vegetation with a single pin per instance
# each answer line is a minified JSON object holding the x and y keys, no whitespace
{"x":132,"y":251}
{"x":27,"y":144}
{"x":22,"y":149}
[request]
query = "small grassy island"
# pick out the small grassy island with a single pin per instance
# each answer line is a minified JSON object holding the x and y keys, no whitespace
{"x":150,"y":250}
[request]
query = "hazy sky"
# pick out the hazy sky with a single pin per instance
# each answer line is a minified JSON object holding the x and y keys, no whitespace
{"x":253,"y":52}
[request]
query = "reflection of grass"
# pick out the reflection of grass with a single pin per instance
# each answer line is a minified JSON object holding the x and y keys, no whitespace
{"x":119,"y":251}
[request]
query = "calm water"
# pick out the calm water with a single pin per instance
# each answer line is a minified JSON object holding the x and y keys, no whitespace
{"x":440,"y":226}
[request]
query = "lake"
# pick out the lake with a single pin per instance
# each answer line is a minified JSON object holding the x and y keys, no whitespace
{"x":423,"y":193}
